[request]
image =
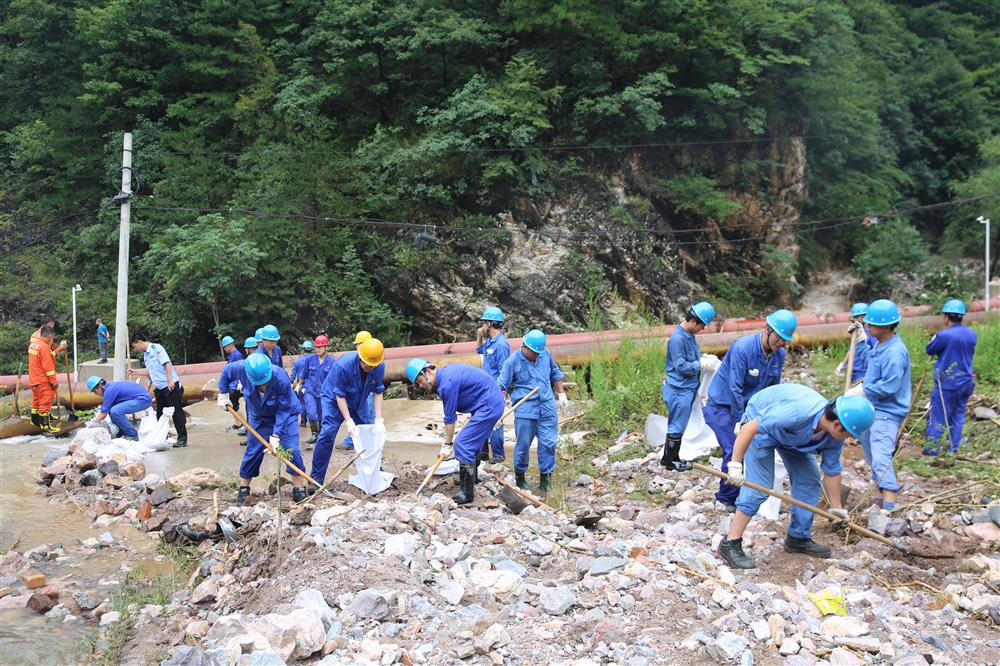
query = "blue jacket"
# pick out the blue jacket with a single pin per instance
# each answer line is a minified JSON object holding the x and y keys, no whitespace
{"x":234,"y":356}
{"x":525,"y":375}
{"x":233,"y":375}
{"x":315,"y":372}
{"x":275,"y":355}
{"x":787,"y":416}
{"x":495,"y":352}
{"x":463,"y":388}
{"x":102,"y":334}
{"x":118,"y":392}
{"x":298,"y":366}
{"x":348,"y":382}
{"x":861,"y":352}
{"x":887,"y":379}
{"x":745,"y":369}
{"x":683,"y":364}
{"x":954,"y":346}
{"x":276,"y":405}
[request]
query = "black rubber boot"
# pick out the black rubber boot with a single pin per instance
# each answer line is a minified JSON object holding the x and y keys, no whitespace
{"x":241,"y":495}
{"x":466,"y":484}
{"x":298,"y":495}
{"x":544,"y":482}
{"x":480,"y":457}
{"x":732,"y":552}
{"x":672,"y":455}
{"x":497,"y":460}
{"x":314,"y":428}
{"x":806,"y":547}
{"x":521,"y":482}
{"x":36,"y":420}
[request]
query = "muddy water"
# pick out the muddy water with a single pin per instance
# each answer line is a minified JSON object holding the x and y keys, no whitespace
{"x":36,"y":520}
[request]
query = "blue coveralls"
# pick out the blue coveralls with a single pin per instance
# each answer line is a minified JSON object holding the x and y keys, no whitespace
{"x":538,"y":416}
{"x":122,"y":399}
{"x":231,"y":381}
{"x":953,"y":384}
{"x":464,"y":388}
{"x":273,"y":412}
{"x":744,"y":371}
{"x":680,"y":386}
{"x":298,"y":366}
{"x":313,"y":375}
{"x":346,"y":380}
{"x":234,"y":357}
{"x":495,"y":351}
{"x":275,"y":355}
{"x":787,"y":416}
{"x":887,"y":385}
{"x":861,"y":352}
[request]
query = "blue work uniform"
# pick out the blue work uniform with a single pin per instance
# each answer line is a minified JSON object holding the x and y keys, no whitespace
{"x":275,"y":354}
{"x":538,"y":416}
{"x":861,"y":351}
{"x":273,"y":412}
{"x":787,"y":416}
{"x":467,"y":389}
{"x":313,"y":374}
{"x":346,"y":380}
{"x":495,"y":352}
{"x":122,"y":399}
{"x":231,"y":381}
{"x":680,"y":385}
{"x":887,"y":385}
{"x":744,"y":371}
{"x":234,"y":356}
{"x":297,"y":368}
{"x":103,"y":335}
{"x":954,"y":382}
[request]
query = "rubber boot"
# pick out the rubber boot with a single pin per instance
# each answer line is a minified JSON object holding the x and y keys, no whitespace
{"x":241,"y":495}
{"x":466,"y":484}
{"x":48,"y":425}
{"x":731,"y":550}
{"x":298,"y":495}
{"x":521,"y":482}
{"x":314,"y":429}
{"x":475,"y":469}
{"x":672,"y":455}
{"x":36,"y":419}
{"x":544,"y":482}
{"x":806,"y":547}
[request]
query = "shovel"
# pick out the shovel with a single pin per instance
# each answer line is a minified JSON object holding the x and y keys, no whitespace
{"x":71,"y":417}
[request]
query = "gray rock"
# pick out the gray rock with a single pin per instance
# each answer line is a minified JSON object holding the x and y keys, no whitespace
{"x":584,"y":481}
{"x":556,"y":600}
{"x":995,"y":514}
{"x":87,"y":600}
{"x":878,"y":521}
{"x":106,"y":538}
{"x":51,"y":455}
{"x":108,"y":468}
{"x":863,"y":643}
{"x":185,"y":655}
{"x":465,"y":650}
{"x":266,"y":658}
{"x":651,"y":519}
{"x":984,"y":413}
{"x":896,"y":527}
{"x":90,"y":478}
{"x":935,"y":641}
{"x":313,"y":598}
{"x":540,"y":547}
{"x":451,"y":591}
{"x":369,"y":604}
{"x":727,"y":646}
{"x":603,"y":565}
{"x":218,"y":657}
{"x":511,"y":565}
{"x":161,"y":495}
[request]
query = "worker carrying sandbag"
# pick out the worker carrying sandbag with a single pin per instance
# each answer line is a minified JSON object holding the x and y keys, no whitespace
{"x":120,"y":400}
{"x":42,"y":378}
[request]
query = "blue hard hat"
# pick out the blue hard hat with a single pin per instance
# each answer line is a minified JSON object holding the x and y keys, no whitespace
{"x":251,"y":342}
{"x":270,"y":332}
{"x":859,"y":309}
{"x":414,"y":368}
{"x":259,"y":335}
{"x":228,"y":340}
{"x":784,"y":323}
{"x":534,"y":340}
{"x":492,"y":314}
{"x":882,"y":312}
{"x":308,"y":344}
{"x":93,"y":382}
{"x":704,"y":312}
{"x":954,"y":306}
{"x":258,"y":369}
{"x":855,"y":412}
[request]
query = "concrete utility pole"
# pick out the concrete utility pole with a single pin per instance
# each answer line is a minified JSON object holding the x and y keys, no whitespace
{"x":986,"y":221}
{"x":121,"y":312}
{"x":76,"y":368}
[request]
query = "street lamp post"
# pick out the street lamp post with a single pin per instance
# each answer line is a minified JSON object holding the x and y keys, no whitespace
{"x":76,"y":368}
{"x":986,"y":221}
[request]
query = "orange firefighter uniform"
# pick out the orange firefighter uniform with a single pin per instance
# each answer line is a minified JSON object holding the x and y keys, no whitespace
{"x":43,"y":381}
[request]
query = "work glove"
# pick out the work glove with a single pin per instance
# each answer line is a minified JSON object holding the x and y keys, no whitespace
{"x":563,"y":400}
{"x":855,"y":327}
{"x":709,"y":362}
{"x":380,"y":425}
{"x":352,"y":428}
{"x":841,"y":514}
{"x":448,"y":451}
{"x":222,"y":401}
{"x":735,"y":474}
{"x":858,"y":389}
{"x":841,"y":368}
{"x":275,"y":442}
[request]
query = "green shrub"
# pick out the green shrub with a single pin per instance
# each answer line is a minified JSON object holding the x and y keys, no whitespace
{"x":895,"y":248}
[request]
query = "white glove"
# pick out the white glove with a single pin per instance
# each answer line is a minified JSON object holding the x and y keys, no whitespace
{"x":855,"y":326}
{"x":380,"y":425}
{"x":563,"y":400}
{"x":735,"y":474}
{"x":840,"y":368}
{"x":856,"y":390}
{"x":222,"y":401}
{"x":275,"y":442}
{"x":709,"y":362}
{"x":841,"y":514}
{"x":352,"y":428}
{"x":448,"y":451}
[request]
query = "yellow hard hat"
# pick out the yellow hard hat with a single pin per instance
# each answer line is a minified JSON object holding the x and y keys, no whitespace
{"x":361,"y":337}
{"x":371,"y":352}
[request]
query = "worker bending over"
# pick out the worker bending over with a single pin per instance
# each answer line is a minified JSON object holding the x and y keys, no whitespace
{"x":954,"y":379}
{"x":682,"y":370}
{"x":862,"y":348}
{"x":462,"y":388}
{"x":532,"y":366}
{"x":313,"y":374}
{"x":495,"y":350}
{"x":42,"y":378}
{"x":799,"y":424}
{"x":354,"y":377}
{"x":120,"y":400}
{"x":273,"y":411}
{"x":752,"y":363}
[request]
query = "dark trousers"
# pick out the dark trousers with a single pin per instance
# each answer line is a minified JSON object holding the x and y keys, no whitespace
{"x":167,"y":398}
{"x":103,"y":348}
{"x":234,"y":399}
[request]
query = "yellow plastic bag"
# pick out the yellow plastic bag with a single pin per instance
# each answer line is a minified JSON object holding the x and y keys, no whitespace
{"x":829,"y":602}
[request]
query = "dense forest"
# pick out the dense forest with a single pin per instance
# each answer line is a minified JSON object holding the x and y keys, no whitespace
{"x":308,"y":163}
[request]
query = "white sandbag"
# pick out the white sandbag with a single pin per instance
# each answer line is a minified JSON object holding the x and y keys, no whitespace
{"x":770,"y":508}
{"x":153,"y":432}
{"x":447,"y":467}
{"x":370,"y":478}
{"x":698,"y":440}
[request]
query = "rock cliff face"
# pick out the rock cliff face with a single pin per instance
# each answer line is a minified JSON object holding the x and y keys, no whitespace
{"x":617,"y":236}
